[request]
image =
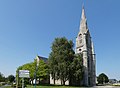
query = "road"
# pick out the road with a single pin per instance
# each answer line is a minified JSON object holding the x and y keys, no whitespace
{"x":105,"y":87}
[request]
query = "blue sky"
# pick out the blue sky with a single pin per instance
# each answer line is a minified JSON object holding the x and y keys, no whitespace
{"x":28,"y":28}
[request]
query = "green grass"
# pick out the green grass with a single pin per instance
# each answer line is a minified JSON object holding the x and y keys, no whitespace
{"x":29,"y":86}
{"x":8,"y":87}
{"x":51,"y":87}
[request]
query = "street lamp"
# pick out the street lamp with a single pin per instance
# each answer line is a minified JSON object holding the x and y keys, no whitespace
{"x":36,"y":68}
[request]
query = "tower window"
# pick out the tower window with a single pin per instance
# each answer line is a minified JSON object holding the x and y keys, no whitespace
{"x":80,"y":34}
{"x":79,"y":49}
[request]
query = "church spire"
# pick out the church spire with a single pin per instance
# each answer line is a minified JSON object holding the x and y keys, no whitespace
{"x":84,"y":46}
{"x":83,"y":22}
{"x":83,"y":13}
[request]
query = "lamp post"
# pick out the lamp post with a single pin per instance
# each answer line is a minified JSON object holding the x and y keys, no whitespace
{"x":17,"y":78}
{"x":36,"y":68}
{"x":35,"y":73}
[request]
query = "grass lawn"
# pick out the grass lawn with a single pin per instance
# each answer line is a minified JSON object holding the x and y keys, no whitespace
{"x":6,"y":87}
{"x":51,"y":87}
{"x":29,"y":86}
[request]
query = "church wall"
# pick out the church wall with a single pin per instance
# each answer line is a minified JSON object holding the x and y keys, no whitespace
{"x":57,"y":82}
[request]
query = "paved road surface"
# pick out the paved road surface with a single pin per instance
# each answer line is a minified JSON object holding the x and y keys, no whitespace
{"x":105,"y":87}
{"x":101,"y":87}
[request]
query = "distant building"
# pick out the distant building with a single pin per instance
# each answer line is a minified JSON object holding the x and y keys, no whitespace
{"x":112,"y":81}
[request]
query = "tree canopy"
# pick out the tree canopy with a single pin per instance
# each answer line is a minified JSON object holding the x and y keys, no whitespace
{"x":60,"y":59}
{"x":77,"y":68}
{"x":2,"y":78}
{"x":62,"y":63}
{"x":102,"y":78}
{"x":42,"y":71}
{"x":11,"y":78}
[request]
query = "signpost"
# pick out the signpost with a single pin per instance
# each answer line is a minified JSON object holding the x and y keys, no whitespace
{"x":23,"y":74}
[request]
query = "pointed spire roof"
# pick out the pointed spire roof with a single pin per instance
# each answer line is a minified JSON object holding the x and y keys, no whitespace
{"x":83,"y":13}
{"x":83,"y":22}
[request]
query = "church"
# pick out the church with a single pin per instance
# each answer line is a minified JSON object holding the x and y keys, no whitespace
{"x":84,"y":46}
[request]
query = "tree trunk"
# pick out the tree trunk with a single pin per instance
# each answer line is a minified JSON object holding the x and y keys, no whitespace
{"x":63,"y":82}
{"x":54,"y":79}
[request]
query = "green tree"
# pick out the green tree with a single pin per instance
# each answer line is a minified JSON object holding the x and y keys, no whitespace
{"x":77,"y":69}
{"x":2,"y":78}
{"x":60,"y":59}
{"x":11,"y":78}
{"x":102,"y":78}
{"x":42,"y":71}
{"x":27,"y":66}
{"x":30,"y":67}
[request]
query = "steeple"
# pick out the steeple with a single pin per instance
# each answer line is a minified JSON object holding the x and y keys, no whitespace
{"x":83,"y":13}
{"x":83,"y":22}
{"x":84,"y":46}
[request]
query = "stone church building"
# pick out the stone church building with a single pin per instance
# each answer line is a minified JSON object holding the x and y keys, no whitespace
{"x":84,"y":46}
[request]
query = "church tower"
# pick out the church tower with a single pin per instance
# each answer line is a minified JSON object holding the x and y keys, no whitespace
{"x":84,"y":46}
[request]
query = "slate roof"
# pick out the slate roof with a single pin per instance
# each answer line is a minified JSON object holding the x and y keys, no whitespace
{"x":43,"y":58}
